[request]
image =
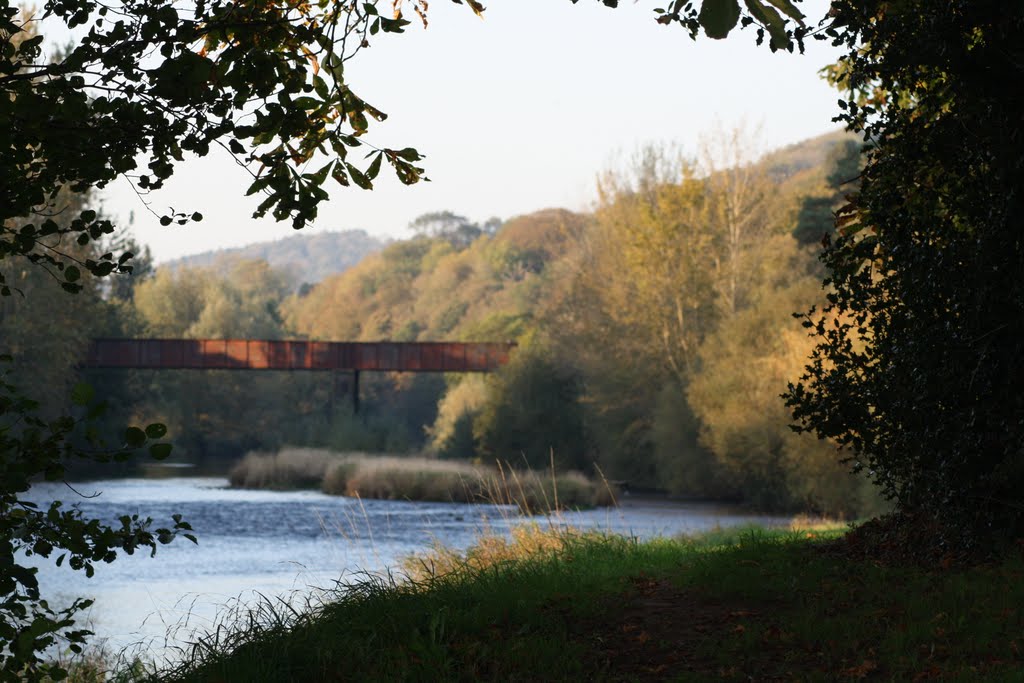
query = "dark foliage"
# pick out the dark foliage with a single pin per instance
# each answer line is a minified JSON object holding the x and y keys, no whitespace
{"x":535,"y":417}
{"x":920,"y":354}
{"x":32,"y":448}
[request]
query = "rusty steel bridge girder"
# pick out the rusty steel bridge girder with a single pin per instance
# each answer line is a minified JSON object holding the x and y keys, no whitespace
{"x":253,"y":354}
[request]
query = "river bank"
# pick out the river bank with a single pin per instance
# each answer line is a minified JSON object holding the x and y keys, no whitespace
{"x":729,"y":605}
{"x":289,"y":545}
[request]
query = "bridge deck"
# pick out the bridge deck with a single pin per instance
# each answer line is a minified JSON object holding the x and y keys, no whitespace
{"x":252,"y":354}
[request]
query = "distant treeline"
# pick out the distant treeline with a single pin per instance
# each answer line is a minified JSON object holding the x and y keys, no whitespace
{"x":655,"y":334}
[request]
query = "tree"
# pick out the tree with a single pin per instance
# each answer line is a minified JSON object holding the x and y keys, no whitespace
{"x":745,"y":364}
{"x":917,"y":367}
{"x":671,"y":253}
{"x":152,"y":81}
{"x":458,"y":230}
{"x":736,"y":187}
{"x":147,"y":83}
{"x":533,"y":416}
{"x":920,"y":382}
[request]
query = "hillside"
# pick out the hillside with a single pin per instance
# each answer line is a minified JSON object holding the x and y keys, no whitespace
{"x":813,"y":153}
{"x":304,"y":257}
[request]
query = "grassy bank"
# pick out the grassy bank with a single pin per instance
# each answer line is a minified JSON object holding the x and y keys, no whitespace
{"x":747,"y":605}
{"x":412,"y":478}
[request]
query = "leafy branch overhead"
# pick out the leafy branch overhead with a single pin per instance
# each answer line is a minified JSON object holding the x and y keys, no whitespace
{"x":719,"y":17}
{"x":150,"y":82}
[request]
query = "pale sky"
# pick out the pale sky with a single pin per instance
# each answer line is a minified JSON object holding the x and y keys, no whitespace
{"x":516,"y":112}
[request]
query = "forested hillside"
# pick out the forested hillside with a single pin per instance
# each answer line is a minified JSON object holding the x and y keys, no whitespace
{"x":306,"y":258}
{"x":655,"y":333}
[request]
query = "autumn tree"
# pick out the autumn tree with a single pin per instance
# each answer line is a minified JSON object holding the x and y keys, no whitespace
{"x":673,"y":251}
{"x":736,"y":187}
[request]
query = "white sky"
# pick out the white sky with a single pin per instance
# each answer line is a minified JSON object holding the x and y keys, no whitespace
{"x":515,"y":112}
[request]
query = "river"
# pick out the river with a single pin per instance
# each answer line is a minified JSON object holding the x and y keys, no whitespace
{"x":286,"y":544}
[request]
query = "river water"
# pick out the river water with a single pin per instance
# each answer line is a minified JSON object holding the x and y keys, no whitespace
{"x":286,"y":544}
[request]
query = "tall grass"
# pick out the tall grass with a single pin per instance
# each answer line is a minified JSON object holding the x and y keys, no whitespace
{"x":99,"y":664}
{"x":417,"y":478}
{"x":398,"y":628}
{"x":291,"y":468}
{"x":527,"y":542}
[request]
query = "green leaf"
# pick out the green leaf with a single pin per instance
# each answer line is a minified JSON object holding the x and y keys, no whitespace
{"x":82,"y":394}
{"x":790,"y":10}
{"x":718,"y":17}
{"x":770,"y":19}
{"x":258,"y":185}
{"x":160,"y":451}
{"x":320,"y":176}
{"x":409,"y":154}
{"x":359,"y":177}
{"x":374,"y":168}
{"x":339,"y":175}
{"x":134,"y":437}
{"x":72,"y":274}
{"x":156,"y":431}
{"x":307,"y":103}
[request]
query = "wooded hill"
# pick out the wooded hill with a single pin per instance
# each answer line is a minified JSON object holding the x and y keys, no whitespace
{"x":307,"y":257}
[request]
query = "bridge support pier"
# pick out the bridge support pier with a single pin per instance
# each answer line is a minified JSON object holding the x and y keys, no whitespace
{"x":355,"y":392}
{"x":343,"y":384}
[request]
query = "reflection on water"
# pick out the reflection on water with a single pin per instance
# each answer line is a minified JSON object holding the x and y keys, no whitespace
{"x":278,"y":543}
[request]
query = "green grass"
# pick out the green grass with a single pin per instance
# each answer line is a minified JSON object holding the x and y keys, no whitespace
{"x":741,"y":605}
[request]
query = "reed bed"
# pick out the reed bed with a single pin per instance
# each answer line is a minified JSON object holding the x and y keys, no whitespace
{"x":291,"y":468}
{"x":391,"y":477}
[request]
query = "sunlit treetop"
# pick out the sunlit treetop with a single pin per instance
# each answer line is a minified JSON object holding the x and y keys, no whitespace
{"x":149,"y":81}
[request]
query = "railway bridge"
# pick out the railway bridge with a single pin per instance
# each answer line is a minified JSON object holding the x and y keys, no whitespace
{"x":343,"y":358}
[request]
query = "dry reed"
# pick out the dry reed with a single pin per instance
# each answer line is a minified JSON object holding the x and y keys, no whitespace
{"x":418,"y":478}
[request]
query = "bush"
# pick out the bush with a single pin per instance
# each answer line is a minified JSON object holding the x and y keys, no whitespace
{"x":685,"y":466}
